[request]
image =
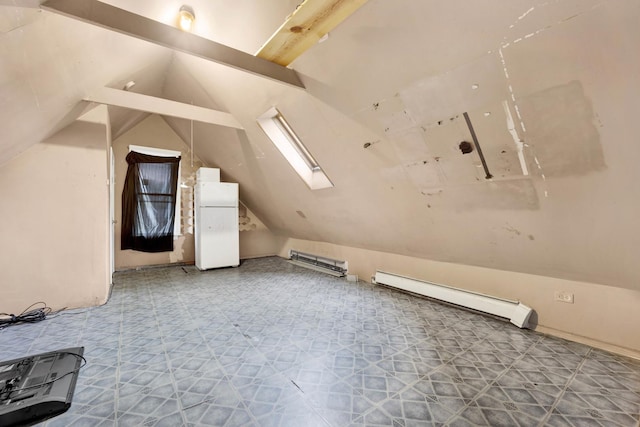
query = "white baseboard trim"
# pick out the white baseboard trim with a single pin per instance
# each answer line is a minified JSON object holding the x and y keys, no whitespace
{"x":622,"y":351}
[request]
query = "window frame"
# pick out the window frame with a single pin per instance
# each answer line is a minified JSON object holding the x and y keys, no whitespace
{"x":282,"y":135}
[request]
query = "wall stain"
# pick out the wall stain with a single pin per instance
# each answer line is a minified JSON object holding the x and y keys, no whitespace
{"x":513,"y":230}
{"x":370,"y":143}
{"x":561,"y":131}
{"x":432,"y":192}
{"x":414,"y":164}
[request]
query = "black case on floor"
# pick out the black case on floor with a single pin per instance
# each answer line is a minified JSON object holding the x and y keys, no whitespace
{"x":38,"y":387}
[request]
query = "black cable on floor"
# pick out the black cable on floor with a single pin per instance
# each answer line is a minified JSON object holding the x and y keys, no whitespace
{"x":29,"y":315}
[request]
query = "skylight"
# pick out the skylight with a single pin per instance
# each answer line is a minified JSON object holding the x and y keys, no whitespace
{"x":287,"y":142}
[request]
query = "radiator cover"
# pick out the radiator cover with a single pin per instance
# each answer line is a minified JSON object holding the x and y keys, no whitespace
{"x":515,"y":311}
{"x":319,"y":263}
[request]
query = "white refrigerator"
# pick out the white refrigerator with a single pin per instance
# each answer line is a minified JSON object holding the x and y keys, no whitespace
{"x":216,"y":225}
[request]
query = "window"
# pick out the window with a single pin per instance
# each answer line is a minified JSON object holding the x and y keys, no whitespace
{"x":287,"y":142}
{"x":149,"y":202}
{"x":160,"y":152}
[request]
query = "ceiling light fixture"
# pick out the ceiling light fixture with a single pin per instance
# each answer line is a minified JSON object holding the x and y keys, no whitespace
{"x":186,"y":17}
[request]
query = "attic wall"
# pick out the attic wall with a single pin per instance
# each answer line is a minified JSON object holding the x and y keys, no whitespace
{"x":601,"y":316}
{"x":55,"y":220}
{"x":153,"y":132}
{"x":550,"y":89}
{"x":255,"y":239}
{"x":562,"y":210}
{"x":50,"y":62}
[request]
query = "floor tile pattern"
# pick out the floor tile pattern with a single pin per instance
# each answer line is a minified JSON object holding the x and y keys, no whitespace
{"x":273,"y":344}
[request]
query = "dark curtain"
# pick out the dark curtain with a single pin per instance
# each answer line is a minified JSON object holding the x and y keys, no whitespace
{"x":149,"y":202}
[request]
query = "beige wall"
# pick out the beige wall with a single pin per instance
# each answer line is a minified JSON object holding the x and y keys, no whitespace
{"x":260,"y":243}
{"x":602,"y":316}
{"x":152,"y":132}
{"x":54,"y":224}
{"x":255,"y":239}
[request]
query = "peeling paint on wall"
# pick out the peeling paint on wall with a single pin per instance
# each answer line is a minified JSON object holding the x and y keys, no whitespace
{"x":247,"y":220}
{"x":425,"y":175}
{"x":562,"y":133}
{"x":511,"y":91}
{"x":410,"y":145}
{"x":521,"y":17}
{"x":590,"y":7}
{"x":512,"y":194}
{"x":516,"y":138}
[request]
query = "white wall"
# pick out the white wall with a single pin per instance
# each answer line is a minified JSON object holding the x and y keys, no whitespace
{"x":55,"y":222}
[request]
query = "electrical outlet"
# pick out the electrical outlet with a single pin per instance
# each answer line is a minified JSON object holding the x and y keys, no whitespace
{"x":563,"y":296}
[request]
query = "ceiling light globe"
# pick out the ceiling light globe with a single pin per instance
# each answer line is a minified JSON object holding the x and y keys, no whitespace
{"x":186,"y":17}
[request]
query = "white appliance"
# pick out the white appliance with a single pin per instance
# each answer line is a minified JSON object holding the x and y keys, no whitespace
{"x":515,"y":311}
{"x":217,"y":234}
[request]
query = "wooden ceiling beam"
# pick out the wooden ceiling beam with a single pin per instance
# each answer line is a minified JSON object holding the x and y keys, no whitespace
{"x":305,"y":27}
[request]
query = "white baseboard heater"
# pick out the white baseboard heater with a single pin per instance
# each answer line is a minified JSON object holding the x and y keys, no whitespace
{"x":318,"y":263}
{"x":515,"y":311}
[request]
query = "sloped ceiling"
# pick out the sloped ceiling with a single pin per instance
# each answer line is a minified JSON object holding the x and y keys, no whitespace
{"x":149,"y":81}
{"x":50,"y":62}
{"x":548,"y":87}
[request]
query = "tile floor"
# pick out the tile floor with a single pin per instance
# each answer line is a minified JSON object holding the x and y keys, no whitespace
{"x":272,"y":344}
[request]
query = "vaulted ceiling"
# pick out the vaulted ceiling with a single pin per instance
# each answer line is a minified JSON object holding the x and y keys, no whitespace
{"x":547,"y":85}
